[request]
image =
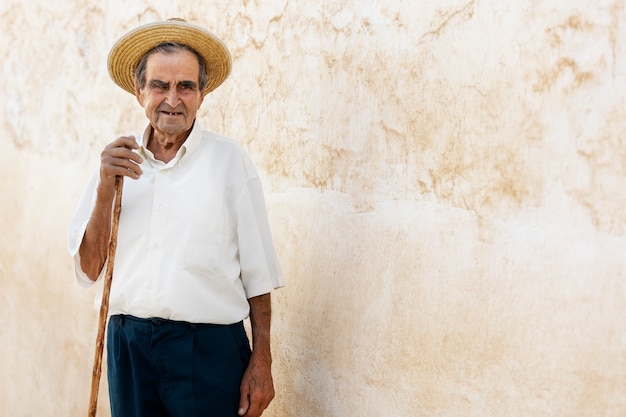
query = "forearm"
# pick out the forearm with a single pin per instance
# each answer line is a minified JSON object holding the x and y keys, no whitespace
{"x":94,"y":247}
{"x":260,"y":320}
{"x":257,"y":387}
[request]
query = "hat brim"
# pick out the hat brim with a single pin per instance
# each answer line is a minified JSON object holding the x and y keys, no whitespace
{"x":130,"y":48}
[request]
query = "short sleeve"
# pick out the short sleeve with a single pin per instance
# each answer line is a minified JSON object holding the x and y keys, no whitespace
{"x":78,"y":225}
{"x":260,"y":269}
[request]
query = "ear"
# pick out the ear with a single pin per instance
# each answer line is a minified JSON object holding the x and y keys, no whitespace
{"x":138,"y":95}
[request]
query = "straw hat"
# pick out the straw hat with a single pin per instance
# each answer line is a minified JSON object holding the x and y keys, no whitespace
{"x":130,"y":48}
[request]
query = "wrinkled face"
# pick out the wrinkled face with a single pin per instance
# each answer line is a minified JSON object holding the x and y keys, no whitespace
{"x":171,"y":97}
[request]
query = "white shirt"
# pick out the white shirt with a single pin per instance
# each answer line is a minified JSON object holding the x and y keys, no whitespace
{"x":194,"y":241}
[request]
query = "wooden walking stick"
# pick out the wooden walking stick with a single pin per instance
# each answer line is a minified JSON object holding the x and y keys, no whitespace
{"x":104,"y":307}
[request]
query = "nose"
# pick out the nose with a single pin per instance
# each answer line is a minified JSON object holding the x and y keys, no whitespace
{"x":172,"y":98}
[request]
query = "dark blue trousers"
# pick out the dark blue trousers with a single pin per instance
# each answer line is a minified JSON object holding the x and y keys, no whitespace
{"x":163,"y":368}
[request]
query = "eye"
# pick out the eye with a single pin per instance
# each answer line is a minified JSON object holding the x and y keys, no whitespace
{"x":159,"y":85}
{"x":187,"y":86}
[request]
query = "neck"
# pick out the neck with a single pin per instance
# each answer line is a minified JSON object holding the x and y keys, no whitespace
{"x":163,"y":146}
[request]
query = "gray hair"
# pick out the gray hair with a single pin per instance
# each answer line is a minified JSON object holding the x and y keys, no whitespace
{"x":170,"y":48}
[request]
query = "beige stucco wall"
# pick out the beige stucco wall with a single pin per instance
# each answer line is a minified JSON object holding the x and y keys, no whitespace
{"x":445,"y":180}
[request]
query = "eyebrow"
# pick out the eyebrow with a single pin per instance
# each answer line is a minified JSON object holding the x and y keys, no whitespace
{"x":159,"y":84}
{"x":164,"y":85}
{"x":188,"y":84}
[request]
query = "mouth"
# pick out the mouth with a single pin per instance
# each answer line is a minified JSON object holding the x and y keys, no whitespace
{"x":168,"y":113}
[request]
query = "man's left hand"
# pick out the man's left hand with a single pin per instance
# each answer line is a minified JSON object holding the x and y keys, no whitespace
{"x":257,"y":387}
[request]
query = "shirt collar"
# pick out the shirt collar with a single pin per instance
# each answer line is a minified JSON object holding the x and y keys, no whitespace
{"x":193,"y":141}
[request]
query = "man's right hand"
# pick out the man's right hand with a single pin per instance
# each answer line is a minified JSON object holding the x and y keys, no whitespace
{"x":119,"y":158}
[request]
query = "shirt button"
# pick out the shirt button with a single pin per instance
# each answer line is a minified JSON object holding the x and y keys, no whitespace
{"x":159,"y":206}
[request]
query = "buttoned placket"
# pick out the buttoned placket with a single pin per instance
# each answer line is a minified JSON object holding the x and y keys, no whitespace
{"x":158,"y":224}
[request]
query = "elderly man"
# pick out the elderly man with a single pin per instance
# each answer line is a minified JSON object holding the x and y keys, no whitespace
{"x":194,"y":252}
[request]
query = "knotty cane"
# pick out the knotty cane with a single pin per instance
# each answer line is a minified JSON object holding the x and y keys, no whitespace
{"x":104,"y":307}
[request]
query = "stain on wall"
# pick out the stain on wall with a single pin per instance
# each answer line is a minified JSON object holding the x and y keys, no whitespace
{"x":444,"y":181}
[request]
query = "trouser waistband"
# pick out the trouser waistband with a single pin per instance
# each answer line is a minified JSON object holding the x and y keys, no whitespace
{"x":157,"y":321}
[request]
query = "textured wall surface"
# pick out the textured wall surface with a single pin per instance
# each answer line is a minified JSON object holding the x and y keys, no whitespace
{"x":445,"y":182}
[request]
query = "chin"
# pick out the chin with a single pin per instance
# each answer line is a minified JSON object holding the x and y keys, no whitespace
{"x":172,"y":129}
